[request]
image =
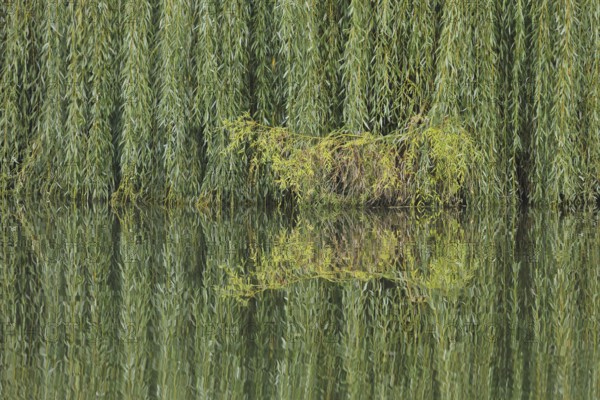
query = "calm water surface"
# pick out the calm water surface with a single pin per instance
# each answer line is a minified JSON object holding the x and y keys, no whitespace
{"x":136,"y":304}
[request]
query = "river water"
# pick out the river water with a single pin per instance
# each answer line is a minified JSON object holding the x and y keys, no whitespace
{"x":174,"y":304}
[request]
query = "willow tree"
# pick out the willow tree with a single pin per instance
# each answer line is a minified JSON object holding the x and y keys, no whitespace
{"x":233,"y":89}
{"x":333,"y":28}
{"x":42,"y":167}
{"x":452,"y":55}
{"x":421,"y":54}
{"x":206,"y":65}
{"x":182,"y":164}
{"x":357,"y":66}
{"x":77,"y":122}
{"x":403,"y":94}
{"x":265,"y":65}
{"x":484,"y":93}
{"x":138,"y":163}
{"x":13,"y":91}
{"x":299,"y":32}
{"x":565,"y":103}
{"x":100,"y":177}
{"x":387,"y":62}
{"x":230,"y":84}
{"x":589,"y":127}
{"x":514,"y":106}
{"x":541,"y":151}
{"x":34,"y":74}
{"x":3,"y":14}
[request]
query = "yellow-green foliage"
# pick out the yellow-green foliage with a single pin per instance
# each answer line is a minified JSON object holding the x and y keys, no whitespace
{"x":428,"y":165}
{"x":343,"y":168}
{"x":340,"y":168}
{"x":445,"y":164}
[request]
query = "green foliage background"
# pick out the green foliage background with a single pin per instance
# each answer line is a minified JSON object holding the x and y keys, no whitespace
{"x":128,"y":99}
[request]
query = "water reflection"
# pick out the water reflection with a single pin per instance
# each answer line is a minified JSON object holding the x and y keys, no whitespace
{"x":137,"y":304}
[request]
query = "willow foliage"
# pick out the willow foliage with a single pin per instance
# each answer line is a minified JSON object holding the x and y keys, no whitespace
{"x":266,"y":74}
{"x":513,"y":144}
{"x":41,"y":169}
{"x":299,"y":32}
{"x":484,"y":93}
{"x":357,"y":66}
{"x":589,"y":122}
{"x":14,"y":129}
{"x":129,"y":99}
{"x":77,"y":122}
{"x":540,"y":151}
{"x":103,"y":97}
{"x":566,"y":96}
{"x":334,"y":29}
{"x":230,"y":88}
{"x":421,"y":50}
{"x":234,"y":32}
{"x":206,"y":64}
{"x":181,"y":147}
{"x":137,"y":175}
{"x":386,"y":70}
{"x":452,"y":54}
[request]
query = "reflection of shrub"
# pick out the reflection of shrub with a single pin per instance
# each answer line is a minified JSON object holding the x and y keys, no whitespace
{"x":357,"y":247}
{"x":450,"y":266}
{"x":451,"y":271}
{"x":307,"y":252}
{"x":424,"y":164}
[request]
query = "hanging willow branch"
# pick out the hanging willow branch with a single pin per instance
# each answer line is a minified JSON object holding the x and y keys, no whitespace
{"x":299,"y":32}
{"x":77,"y":78}
{"x":265,"y":64}
{"x":484,"y":93}
{"x":515,"y":110}
{"x":387,"y":66}
{"x":421,"y":56}
{"x":206,"y":65}
{"x":182,"y":163}
{"x":333,"y":29}
{"x":452,"y":57}
{"x":100,"y":174}
{"x":589,"y":126}
{"x":357,"y":67}
{"x":43,"y":169}
{"x":137,"y":158}
{"x":231,"y":93}
{"x":566,"y":89}
{"x":541,"y":148}
{"x":14,"y":130}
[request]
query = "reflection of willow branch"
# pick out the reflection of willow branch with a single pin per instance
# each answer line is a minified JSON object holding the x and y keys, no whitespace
{"x":311,"y":331}
{"x":70,"y":248}
{"x":98,"y":245}
{"x":31,"y":224}
{"x":12,"y":351}
{"x":35,"y":222}
{"x":136,"y":289}
{"x":171,"y":300}
{"x":220,"y":338}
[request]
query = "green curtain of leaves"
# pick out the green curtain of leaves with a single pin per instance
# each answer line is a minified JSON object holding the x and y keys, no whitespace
{"x":128,"y":99}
